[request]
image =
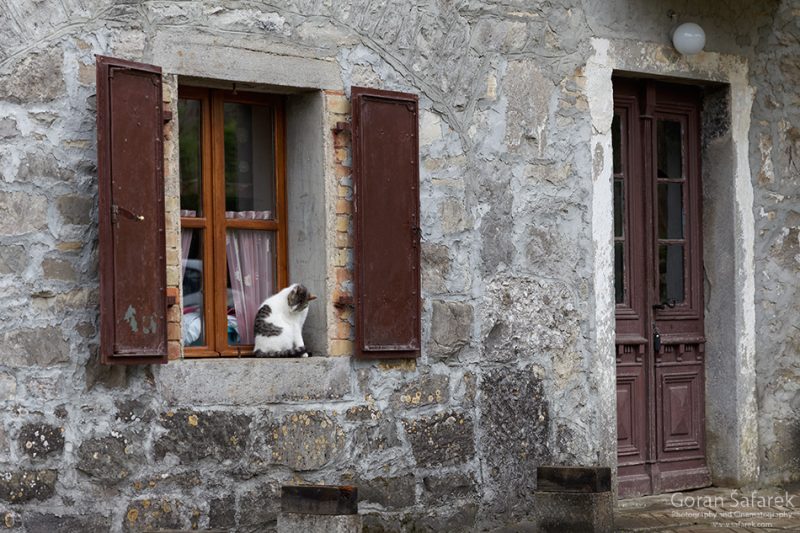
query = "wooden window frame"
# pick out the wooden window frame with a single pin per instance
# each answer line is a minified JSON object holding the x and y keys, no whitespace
{"x":213,"y":222}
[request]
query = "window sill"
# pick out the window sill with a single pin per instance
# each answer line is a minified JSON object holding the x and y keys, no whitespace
{"x":254,"y":381}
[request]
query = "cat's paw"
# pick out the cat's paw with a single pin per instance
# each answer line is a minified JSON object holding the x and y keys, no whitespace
{"x":305,"y":354}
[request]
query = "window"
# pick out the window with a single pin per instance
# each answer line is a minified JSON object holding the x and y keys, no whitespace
{"x":232,"y":161}
{"x":233,"y":215}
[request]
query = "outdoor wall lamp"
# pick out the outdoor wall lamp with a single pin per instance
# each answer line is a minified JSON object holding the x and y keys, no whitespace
{"x":689,"y":38}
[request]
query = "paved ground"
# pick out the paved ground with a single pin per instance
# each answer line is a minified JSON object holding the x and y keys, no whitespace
{"x":712,"y":510}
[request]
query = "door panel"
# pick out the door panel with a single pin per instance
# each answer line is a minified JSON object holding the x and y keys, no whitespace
{"x":658,"y":288}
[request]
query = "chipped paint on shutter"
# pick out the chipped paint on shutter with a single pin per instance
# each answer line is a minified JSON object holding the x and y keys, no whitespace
{"x":387,"y":234}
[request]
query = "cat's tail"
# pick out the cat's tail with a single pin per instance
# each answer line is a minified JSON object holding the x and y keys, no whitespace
{"x":300,"y":351}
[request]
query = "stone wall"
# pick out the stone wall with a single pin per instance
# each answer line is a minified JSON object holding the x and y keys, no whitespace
{"x":511,"y":374}
{"x":775,"y":160}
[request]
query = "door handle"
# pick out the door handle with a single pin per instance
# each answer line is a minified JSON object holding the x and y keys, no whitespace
{"x":656,"y":339}
{"x":663,"y":305}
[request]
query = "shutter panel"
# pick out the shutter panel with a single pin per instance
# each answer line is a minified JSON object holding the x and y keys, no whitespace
{"x":133,"y":307}
{"x":386,"y":221}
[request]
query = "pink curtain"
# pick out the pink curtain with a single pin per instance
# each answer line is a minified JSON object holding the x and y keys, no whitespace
{"x":251,"y":271}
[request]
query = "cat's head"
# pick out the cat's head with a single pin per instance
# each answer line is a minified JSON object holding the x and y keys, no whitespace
{"x":299,"y":297}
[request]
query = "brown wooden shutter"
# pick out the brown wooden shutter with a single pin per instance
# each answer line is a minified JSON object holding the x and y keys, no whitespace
{"x":387,"y":235}
{"x":131,"y":204}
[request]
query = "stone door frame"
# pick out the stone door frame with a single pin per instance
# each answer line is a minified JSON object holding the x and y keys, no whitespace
{"x":728,"y":236}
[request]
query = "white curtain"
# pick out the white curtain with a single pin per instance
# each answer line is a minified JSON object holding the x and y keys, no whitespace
{"x":251,"y":266}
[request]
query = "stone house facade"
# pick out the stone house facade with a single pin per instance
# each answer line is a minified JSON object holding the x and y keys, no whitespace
{"x":516,"y":176}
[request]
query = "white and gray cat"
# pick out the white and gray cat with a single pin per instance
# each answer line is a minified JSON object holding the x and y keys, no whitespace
{"x":279,"y":323}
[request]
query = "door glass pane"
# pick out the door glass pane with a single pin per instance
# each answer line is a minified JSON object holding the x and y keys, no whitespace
{"x":616,"y":145}
{"x":252,"y":277}
{"x":670,"y":153}
{"x":619,"y":272}
{"x":670,"y":270}
{"x":619,"y":208}
{"x":190,"y":159}
{"x":192,"y":287}
{"x":670,"y":210}
{"x":249,"y":159}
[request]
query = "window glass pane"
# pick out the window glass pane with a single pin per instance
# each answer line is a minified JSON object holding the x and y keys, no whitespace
{"x":616,"y":145}
{"x":249,"y":159}
{"x":670,"y":270}
{"x":252,"y":276}
{"x":619,"y":272}
{"x":670,"y":210}
{"x":619,"y":208}
{"x":189,"y":143}
{"x":670,"y":154}
{"x":192,"y":287}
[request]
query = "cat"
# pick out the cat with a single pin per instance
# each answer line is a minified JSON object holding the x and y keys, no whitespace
{"x":279,"y":323}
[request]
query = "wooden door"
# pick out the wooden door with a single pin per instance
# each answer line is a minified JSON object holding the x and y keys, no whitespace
{"x":658,"y":288}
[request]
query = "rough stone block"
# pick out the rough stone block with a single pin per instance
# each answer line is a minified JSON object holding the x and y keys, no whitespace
{"x":37,"y":77}
{"x":514,"y":409}
{"x":134,"y":410}
{"x":451,"y":327}
{"x":58,"y":269}
{"x":428,"y":390}
{"x":442,"y":439}
{"x":42,"y":347}
{"x":13,"y":259}
{"x":41,"y":164}
{"x":389,"y":492}
{"x":255,"y":381}
{"x":375,"y":438}
{"x":303,"y":441}
{"x":194,"y":435}
{"x":222,"y":512}
{"x":565,"y":512}
{"x":75,"y":209}
{"x":47,"y":522}
{"x":435,"y":263}
{"x":453,"y":216}
{"x":21,"y":212}
{"x":8,"y":128}
{"x":147,"y":514}
{"x":107,"y":459}
{"x":26,"y":485}
{"x":258,"y":509}
{"x":39,"y":440}
{"x":445,"y":488}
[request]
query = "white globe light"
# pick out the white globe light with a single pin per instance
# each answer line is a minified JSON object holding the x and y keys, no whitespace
{"x":689,"y":38}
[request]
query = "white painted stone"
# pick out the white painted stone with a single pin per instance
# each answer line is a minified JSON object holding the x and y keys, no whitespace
{"x":430,"y":128}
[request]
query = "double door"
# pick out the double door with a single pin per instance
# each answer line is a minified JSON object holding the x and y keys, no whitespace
{"x":658,"y":288}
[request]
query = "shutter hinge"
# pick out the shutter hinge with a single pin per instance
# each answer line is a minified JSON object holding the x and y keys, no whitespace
{"x":340,"y":127}
{"x":344,"y":301}
{"x":166,"y":115}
